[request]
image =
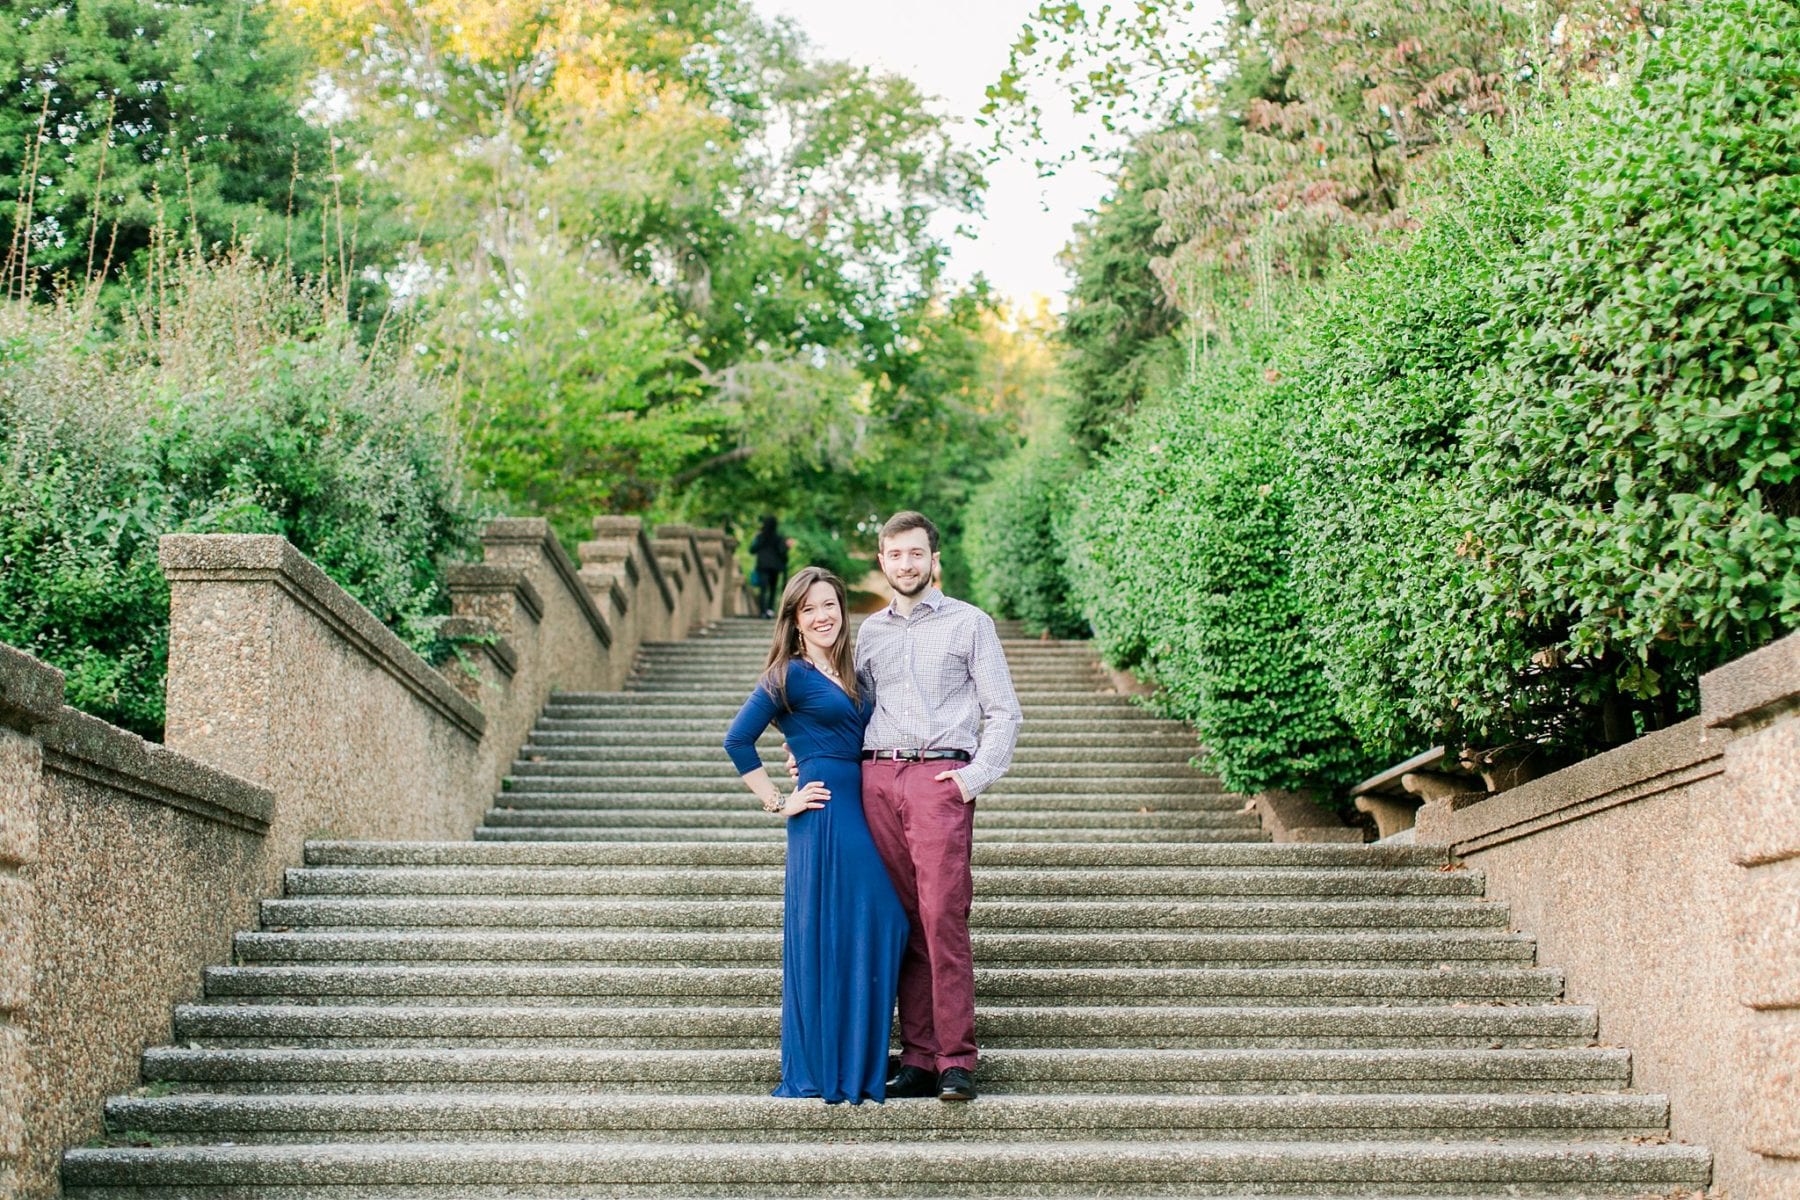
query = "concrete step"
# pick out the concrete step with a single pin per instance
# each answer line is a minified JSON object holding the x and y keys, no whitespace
{"x":582,"y":1117}
{"x":1486,"y":1027}
{"x":1025,"y":683}
{"x":670,"y":985}
{"x":1125,"y":776}
{"x":849,"y":1169}
{"x":1363,"y":951}
{"x":757,"y":644}
{"x":751,"y":658}
{"x":1171,"y":883}
{"x":755,"y":820}
{"x":694,"y":782}
{"x":580,"y":703}
{"x":1281,"y":1071}
{"x":1059,"y":664}
{"x":1058,"y":747}
{"x":1104,"y":805}
{"x":525,"y":912}
{"x":1289,"y":855}
{"x":772,"y":836}
{"x":1174,"y":753}
{"x":1032,"y":698}
{"x":707,"y":720}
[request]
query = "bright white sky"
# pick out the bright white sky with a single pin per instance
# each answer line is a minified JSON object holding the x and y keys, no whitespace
{"x":954,"y":49}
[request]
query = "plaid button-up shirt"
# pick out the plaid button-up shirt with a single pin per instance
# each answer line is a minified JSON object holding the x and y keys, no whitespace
{"x":937,"y":676}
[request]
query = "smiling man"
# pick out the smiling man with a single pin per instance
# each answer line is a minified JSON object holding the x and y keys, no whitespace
{"x":945,"y":723}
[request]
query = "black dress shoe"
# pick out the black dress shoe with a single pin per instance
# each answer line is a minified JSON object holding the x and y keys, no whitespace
{"x":956,"y":1085}
{"x":910,"y":1083}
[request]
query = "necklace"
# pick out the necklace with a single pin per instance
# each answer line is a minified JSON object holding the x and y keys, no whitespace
{"x":823,"y":669}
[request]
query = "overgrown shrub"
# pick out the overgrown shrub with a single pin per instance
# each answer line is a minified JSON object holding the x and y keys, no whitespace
{"x":234,"y":400}
{"x":1384,"y":376}
{"x":1634,"y":490}
{"x":1015,"y":554}
{"x":1179,"y":547}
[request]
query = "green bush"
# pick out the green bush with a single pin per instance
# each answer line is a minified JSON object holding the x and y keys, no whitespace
{"x":238,"y":401}
{"x":1178,"y":548}
{"x":1634,"y":490}
{"x":1384,"y":377}
{"x":1512,"y":479}
{"x":1014,"y":552}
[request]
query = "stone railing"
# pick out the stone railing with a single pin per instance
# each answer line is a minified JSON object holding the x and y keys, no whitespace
{"x":125,"y":866}
{"x":1663,"y":879}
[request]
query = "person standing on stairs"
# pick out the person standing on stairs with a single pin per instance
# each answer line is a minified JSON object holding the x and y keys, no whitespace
{"x":843,"y":928}
{"x":769,"y":551}
{"x":945,"y":722}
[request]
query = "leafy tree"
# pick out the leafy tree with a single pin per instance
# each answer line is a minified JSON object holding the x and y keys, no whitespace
{"x":129,"y":116}
{"x":1119,"y":321}
{"x":754,"y":220}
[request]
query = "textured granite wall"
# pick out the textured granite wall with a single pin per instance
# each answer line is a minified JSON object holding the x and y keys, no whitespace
{"x":31,"y":694}
{"x":125,"y":867}
{"x":1663,"y":879}
{"x":1757,"y":701}
{"x":129,"y":866}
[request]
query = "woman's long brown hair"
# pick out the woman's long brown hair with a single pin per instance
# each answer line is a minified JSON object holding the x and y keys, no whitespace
{"x":786,"y":647}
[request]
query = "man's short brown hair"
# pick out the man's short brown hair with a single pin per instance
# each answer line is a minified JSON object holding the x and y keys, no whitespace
{"x":900,"y":522}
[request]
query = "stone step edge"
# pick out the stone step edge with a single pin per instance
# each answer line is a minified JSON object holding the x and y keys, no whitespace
{"x":320,"y":852}
{"x":725,"y":1117}
{"x":1582,"y":1019}
{"x":1061,"y":1163}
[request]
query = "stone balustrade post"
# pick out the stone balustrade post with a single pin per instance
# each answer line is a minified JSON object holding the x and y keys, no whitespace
{"x":278,"y":676}
{"x":1755,"y":702}
{"x":675,"y":559}
{"x":718,"y":551}
{"x":620,"y":563}
{"x":31,"y":694}
{"x":123,"y":868}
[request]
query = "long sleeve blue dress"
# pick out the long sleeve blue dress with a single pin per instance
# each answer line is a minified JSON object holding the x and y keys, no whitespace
{"x":844,"y":930}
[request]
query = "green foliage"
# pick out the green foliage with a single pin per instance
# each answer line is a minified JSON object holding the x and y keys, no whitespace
{"x":695,"y":266}
{"x":236,"y":401}
{"x":1383,"y":378}
{"x":1178,"y":552}
{"x":1635,"y":493}
{"x":122,"y":117}
{"x":1012,"y":543}
{"x":1512,"y":479}
{"x":577,"y":398}
{"x":1118,"y":323}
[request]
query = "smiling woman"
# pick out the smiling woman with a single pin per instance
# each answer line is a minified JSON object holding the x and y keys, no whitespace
{"x":843,"y":927}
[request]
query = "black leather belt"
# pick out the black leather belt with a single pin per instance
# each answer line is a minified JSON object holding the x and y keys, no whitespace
{"x":916,"y":755}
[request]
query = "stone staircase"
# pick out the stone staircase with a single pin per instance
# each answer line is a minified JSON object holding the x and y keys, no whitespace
{"x":582,"y":1000}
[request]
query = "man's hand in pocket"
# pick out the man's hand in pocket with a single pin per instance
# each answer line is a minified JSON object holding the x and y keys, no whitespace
{"x":956,"y":775}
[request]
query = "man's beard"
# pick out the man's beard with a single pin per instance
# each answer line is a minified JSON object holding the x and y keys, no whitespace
{"x":924,"y":582}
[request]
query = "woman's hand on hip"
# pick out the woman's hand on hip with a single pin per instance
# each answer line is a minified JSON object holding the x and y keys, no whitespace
{"x":813,"y":795}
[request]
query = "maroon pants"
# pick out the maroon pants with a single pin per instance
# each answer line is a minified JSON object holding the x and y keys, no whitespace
{"x":923,"y":830}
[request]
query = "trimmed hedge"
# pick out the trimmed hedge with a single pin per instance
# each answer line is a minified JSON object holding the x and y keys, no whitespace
{"x":1384,"y":379}
{"x":1632,"y":453}
{"x":1511,"y":481}
{"x":1012,"y":543}
{"x":1178,"y":544}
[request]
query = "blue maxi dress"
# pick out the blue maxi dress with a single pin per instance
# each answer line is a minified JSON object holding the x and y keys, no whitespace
{"x":843,"y":930}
